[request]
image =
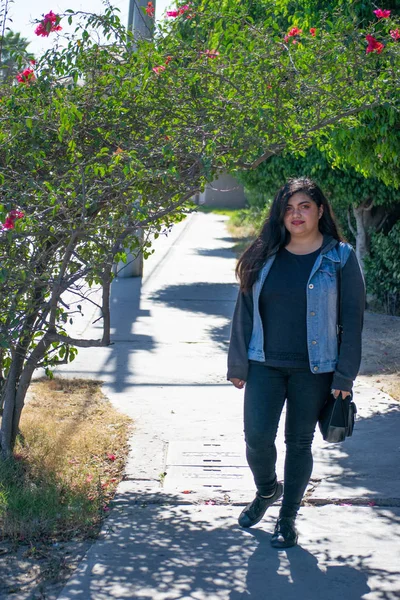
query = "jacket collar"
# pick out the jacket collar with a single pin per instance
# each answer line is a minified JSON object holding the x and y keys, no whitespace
{"x":328,"y":243}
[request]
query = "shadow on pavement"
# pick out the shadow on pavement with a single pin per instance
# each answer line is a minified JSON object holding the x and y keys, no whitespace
{"x":213,"y":299}
{"x":125,"y":310}
{"x":199,"y":552}
{"x":365,"y":466}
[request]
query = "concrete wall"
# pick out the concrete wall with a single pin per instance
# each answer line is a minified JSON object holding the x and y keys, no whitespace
{"x":225,"y":191}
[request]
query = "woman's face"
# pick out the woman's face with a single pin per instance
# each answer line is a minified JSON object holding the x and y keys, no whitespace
{"x":302,"y":215}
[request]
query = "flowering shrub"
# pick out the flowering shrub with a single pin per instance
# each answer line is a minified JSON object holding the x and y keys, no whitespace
{"x":99,"y":146}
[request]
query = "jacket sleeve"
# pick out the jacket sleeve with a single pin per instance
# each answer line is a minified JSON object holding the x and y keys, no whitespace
{"x":241,"y":329}
{"x":353,"y":304}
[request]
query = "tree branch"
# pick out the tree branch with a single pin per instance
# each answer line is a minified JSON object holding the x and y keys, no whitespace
{"x":57,"y":337}
{"x":353,"y":231}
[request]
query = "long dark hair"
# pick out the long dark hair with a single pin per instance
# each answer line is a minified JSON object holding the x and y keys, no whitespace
{"x":274,"y":235}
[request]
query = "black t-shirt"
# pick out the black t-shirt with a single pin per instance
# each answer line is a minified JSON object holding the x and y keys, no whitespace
{"x":283,"y":309}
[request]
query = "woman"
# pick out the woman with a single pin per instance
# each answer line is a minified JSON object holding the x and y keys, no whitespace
{"x":284,"y":343}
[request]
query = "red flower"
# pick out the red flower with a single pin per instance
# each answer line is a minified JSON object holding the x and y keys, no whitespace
{"x":313,"y":31}
{"x":183,"y":9}
{"x":395,"y":34}
{"x":210,"y":53}
{"x":159,"y":69}
{"x":48,"y":24}
{"x":382,"y":14}
{"x":168,"y":60}
{"x":373,"y":44}
{"x":172,"y":13}
{"x":25,"y":76}
{"x":150,"y":9}
{"x":111,"y":457}
{"x":292,"y":33}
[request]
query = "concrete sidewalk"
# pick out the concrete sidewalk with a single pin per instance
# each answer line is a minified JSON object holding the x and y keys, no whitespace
{"x":172,"y":533}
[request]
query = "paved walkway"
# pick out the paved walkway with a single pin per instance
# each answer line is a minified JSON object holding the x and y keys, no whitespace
{"x":173,"y":533}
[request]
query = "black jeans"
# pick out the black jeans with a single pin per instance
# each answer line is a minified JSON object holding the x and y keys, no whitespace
{"x":265,"y":394}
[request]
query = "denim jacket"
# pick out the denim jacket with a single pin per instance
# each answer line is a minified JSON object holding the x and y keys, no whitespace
{"x":247,"y":334}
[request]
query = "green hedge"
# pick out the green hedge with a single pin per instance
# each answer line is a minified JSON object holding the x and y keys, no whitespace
{"x":382,"y":270}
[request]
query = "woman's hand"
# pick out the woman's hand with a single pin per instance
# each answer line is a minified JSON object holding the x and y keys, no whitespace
{"x":238,"y":383}
{"x":335,"y":393}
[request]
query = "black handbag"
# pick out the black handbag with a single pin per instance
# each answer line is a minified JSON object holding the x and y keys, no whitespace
{"x":336,"y":421}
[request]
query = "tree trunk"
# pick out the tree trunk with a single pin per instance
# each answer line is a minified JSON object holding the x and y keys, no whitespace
{"x":9,"y":395}
{"x":369,"y":219}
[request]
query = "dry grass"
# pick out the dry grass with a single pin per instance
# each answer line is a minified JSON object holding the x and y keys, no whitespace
{"x":390,"y":384}
{"x":68,"y":461}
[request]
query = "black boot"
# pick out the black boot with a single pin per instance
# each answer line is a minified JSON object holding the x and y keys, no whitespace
{"x":285,"y":534}
{"x":254,"y":512}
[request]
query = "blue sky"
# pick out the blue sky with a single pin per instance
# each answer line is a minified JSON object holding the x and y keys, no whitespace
{"x":23,"y":12}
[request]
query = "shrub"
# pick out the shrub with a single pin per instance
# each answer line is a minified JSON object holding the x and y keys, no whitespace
{"x":382,"y":269}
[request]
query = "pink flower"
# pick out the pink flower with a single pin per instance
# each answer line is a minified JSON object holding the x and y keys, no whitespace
{"x":41,"y":30}
{"x":48,"y":24}
{"x":8,"y":224}
{"x":179,"y":11}
{"x":111,"y":457}
{"x":150,"y":9}
{"x":373,"y":44}
{"x":25,"y":76}
{"x":159,"y":69}
{"x":395,"y":34}
{"x":313,"y":31}
{"x":210,"y":53}
{"x":382,"y":14}
{"x":13,"y":215}
{"x":16,"y":214}
{"x":51,"y":18}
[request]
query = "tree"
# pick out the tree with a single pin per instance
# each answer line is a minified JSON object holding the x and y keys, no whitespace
{"x":98,"y":140}
{"x":363,"y":204}
{"x":13,"y":53}
{"x":357,"y":156}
